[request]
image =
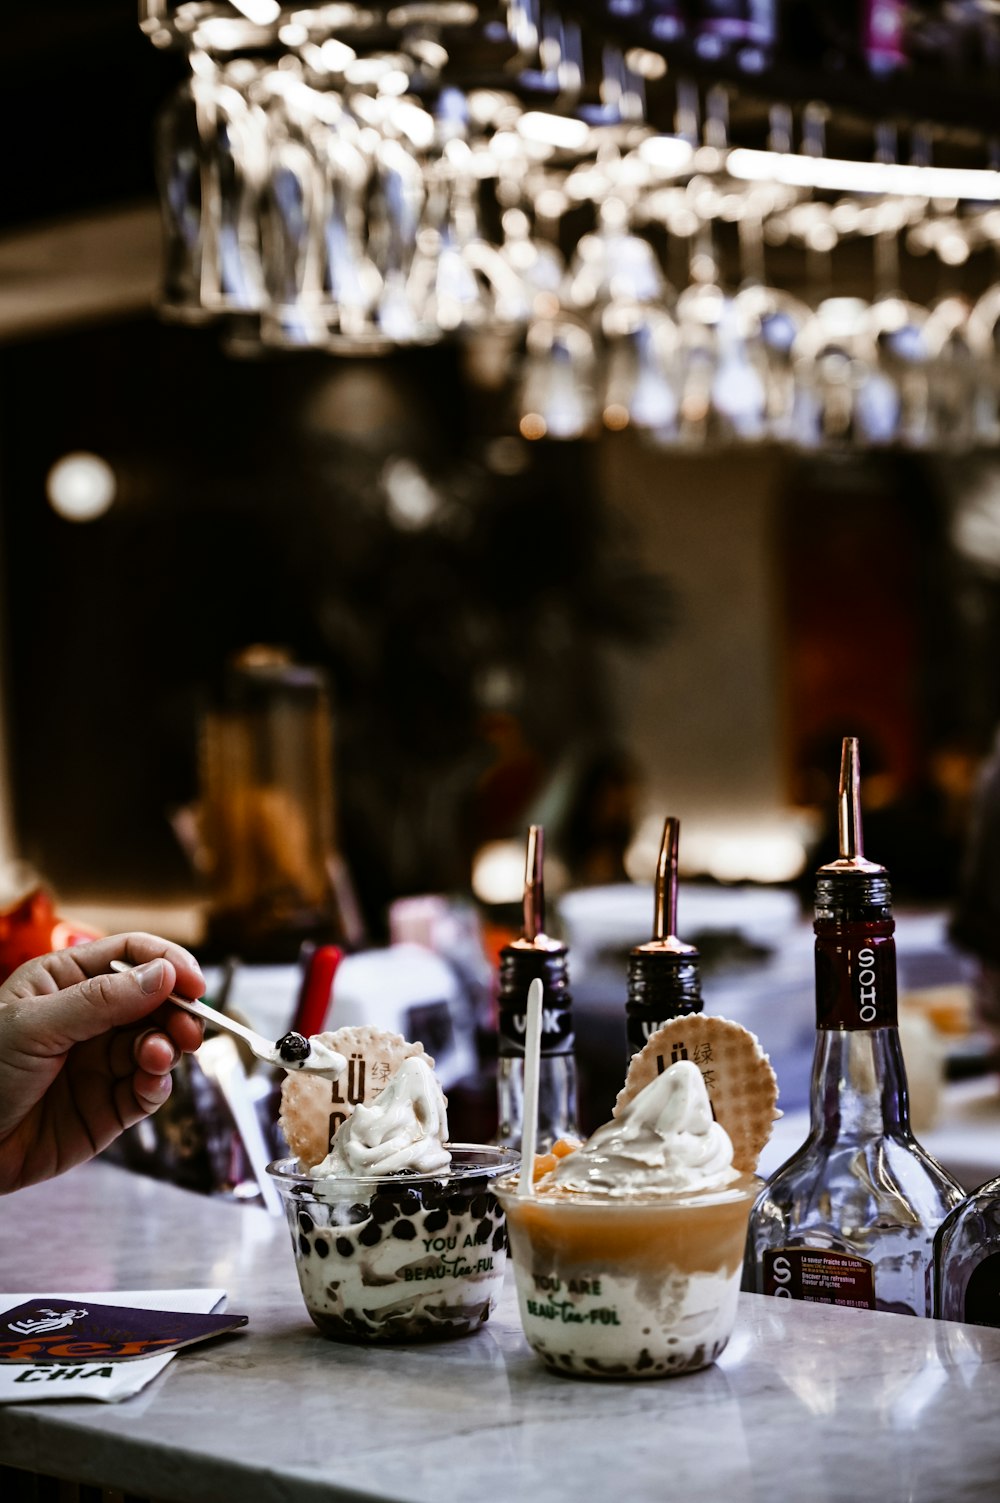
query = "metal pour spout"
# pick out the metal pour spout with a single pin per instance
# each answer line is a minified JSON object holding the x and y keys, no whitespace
{"x":850,"y":835}
{"x":665,"y":888}
{"x":533,"y":938}
{"x":664,"y":940}
{"x":849,"y":802}
{"x":533,"y":902}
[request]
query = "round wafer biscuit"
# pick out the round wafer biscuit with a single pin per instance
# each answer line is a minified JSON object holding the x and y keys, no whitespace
{"x":741,"y":1084}
{"x":312,"y":1108}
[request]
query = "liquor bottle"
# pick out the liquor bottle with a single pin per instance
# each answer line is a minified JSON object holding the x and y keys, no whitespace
{"x":664,"y":979}
{"x":967,"y":1259}
{"x":850,"y":1218}
{"x":535,"y":954}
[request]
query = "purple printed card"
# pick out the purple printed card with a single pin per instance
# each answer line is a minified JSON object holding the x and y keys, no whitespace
{"x":59,"y":1330}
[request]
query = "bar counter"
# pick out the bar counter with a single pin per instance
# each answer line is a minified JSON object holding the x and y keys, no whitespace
{"x":807,"y":1402}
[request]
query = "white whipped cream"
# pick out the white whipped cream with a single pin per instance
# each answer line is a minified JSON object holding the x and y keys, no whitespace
{"x":405,"y":1127}
{"x":665,"y":1142}
{"x":321,"y":1060}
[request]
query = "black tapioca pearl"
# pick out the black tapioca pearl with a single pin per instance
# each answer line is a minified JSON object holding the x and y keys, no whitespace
{"x":384,"y":1208}
{"x":357,"y":1213}
{"x":408,"y":1202}
{"x":322,"y":1247}
{"x":479,"y":1207}
{"x":304,"y":1246}
{"x":371,"y":1234}
{"x":293,"y":1048}
{"x":306,"y":1223}
{"x":499,"y":1239}
{"x":436,"y":1221}
{"x":345,"y":1247}
{"x":404,"y":1230}
{"x":484,"y":1230}
{"x":643,"y":1361}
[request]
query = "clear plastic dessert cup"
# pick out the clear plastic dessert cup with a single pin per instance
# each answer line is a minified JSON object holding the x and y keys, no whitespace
{"x":402,"y":1257}
{"x":643,"y":1286}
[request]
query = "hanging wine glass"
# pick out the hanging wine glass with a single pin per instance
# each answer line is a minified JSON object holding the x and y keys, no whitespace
{"x":954,"y":376}
{"x":297,"y":313}
{"x":900,"y":412}
{"x":724,"y":395}
{"x":984,"y":338}
{"x":445,"y":286}
{"x":178,"y":166}
{"x":212,"y":153}
{"x":558,"y":397}
{"x":642,"y":370}
{"x":613,"y":263}
{"x":773,"y":318}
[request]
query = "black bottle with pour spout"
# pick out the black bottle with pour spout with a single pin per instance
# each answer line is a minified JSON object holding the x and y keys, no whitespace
{"x":535,"y":954}
{"x":664,"y":975}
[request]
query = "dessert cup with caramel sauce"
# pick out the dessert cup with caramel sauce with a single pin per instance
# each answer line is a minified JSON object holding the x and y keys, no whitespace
{"x":631,"y":1286}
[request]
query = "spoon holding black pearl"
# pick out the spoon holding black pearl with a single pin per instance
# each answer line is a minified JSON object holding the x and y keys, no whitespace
{"x":291,"y":1052}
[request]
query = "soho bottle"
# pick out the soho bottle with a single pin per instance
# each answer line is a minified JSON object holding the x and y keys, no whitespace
{"x":535,"y":954}
{"x":850,"y":1218}
{"x":664,"y":978}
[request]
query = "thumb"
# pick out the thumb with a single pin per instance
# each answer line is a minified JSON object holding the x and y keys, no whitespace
{"x":92,"y":1007}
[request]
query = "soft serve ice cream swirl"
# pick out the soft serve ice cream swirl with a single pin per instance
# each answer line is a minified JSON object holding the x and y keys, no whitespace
{"x":405,"y":1127}
{"x":665,"y":1142}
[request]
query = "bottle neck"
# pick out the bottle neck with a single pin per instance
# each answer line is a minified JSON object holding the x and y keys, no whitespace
{"x":859,"y":1080}
{"x":660,"y":987}
{"x":855,"y":974}
{"x":519,"y":966}
{"x":859,"y":1087}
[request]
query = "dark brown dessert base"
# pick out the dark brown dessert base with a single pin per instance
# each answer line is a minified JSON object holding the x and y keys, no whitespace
{"x":644,"y":1367}
{"x":406,"y":1329}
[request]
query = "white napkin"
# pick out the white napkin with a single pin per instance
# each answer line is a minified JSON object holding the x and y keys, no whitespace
{"x":33,"y":1383}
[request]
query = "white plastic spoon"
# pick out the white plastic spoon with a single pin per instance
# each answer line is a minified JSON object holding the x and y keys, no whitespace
{"x":293,"y":1052}
{"x":532,"y":1054}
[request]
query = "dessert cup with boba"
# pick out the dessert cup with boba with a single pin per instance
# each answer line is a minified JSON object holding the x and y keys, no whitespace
{"x":631,"y":1286}
{"x":400,"y":1257}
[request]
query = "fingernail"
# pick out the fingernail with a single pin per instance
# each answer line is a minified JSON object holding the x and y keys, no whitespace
{"x":150,"y":975}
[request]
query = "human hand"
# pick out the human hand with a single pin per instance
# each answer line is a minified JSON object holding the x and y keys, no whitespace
{"x":85,"y":1054}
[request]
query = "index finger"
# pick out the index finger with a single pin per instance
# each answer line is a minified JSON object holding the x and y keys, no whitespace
{"x":69,"y":967}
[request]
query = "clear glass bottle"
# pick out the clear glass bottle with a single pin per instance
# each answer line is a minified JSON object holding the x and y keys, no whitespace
{"x":967,"y":1259}
{"x":535,"y":954}
{"x":850,"y":1218}
{"x":664,"y":975}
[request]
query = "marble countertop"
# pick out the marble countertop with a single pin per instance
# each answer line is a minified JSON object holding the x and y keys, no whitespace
{"x":807,"y":1402}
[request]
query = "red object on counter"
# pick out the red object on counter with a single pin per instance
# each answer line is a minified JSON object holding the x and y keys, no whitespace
{"x":317,"y":987}
{"x":31,"y":927}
